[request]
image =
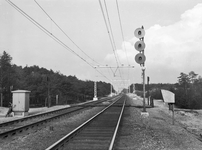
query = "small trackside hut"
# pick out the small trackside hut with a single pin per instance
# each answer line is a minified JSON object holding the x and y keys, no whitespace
{"x":20,"y":103}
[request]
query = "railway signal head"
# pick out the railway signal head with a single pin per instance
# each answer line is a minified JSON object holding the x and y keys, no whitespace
{"x":140,"y":58}
{"x":140,"y":45}
{"x":139,"y":33}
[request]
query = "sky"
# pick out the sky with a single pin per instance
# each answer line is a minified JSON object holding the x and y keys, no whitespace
{"x":173,"y":38}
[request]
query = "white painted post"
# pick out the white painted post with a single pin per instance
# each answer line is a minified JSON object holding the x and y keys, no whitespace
{"x":56,"y":99}
{"x":95,"y":91}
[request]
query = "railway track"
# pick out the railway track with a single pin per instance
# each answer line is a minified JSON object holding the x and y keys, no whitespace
{"x":26,"y":124}
{"x":97,"y":133}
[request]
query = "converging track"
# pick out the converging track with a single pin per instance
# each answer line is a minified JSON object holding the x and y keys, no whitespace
{"x":26,"y":124}
{"x":97,"y":133}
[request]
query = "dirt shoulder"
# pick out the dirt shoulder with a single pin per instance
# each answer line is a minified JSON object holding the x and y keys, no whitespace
{"x":156,"y":131}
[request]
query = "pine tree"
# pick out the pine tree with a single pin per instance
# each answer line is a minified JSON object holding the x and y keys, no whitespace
{"x":5,"y":75}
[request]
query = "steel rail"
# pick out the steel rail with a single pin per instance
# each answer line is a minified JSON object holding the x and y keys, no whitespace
{"x":117,"y":127}
{"x":60,"y":143}
{"x":41,"y":122}
{"x":32,"y":117}
{"x":48,"y":113}
{"x":32,"y":125}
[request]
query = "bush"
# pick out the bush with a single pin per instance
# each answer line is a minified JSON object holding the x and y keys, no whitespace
{"x":191,"y":99}
{"x":156,"y":94}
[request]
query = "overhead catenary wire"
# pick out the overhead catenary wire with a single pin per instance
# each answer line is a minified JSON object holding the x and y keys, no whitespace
{"x":108,"y":31}
{"x":110,"y":37}
{"x":122,"y":33}
{"x":64,"y":32}
{"x":111,"y":68}
{"x":50,"y":34}
{"x":121,"y":29}
{"x":36,"y":23}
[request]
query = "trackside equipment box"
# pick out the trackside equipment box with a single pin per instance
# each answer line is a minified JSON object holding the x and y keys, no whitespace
{"x":20,"y":102}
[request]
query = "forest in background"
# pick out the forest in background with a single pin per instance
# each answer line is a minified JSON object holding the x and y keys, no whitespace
{"x":41,"y":81}
{"x":188,"y":90}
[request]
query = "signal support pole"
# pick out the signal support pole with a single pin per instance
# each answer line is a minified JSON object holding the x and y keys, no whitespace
{"x":148,"y":95}
{"x":140,"y":59}
{"x":143,"y":72}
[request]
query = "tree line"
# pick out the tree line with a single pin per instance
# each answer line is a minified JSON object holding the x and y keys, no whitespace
{"x":188,"y":90}
{"x":45,"y":85}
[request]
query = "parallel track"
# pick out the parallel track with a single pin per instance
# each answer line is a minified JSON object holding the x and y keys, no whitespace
{"x":97,"y":133}
{"x":24,"y":124}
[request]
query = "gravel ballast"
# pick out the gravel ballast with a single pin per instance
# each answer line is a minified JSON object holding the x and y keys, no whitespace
{"x":47,"y":135}
{"x":155,"y":132}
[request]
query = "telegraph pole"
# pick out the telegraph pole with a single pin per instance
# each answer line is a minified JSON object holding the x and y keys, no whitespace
{"x":48,"y":91}
{"x":49,"y":103}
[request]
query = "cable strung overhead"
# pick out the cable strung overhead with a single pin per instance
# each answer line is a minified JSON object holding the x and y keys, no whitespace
{"x":122,"y":33}
{"x":64,"y":32}
{"x":87,"y":59}
{"x":121,"y":29}
{"x":110,"y":33}
{"x":51,"y":35}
